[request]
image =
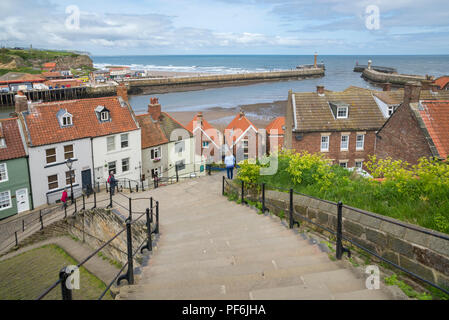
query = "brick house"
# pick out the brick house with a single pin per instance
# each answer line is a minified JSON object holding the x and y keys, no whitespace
{"x":418,"y":128}
{"x":208,"y":140}
{"x":242,"y":138}
{"x":340,"y":125}
{"x":275,"y":134}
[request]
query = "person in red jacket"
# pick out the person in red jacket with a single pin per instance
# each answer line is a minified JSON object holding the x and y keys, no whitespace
{"x":64,"y":198}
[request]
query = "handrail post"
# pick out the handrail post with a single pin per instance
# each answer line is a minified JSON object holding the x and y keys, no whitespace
{"x":130,"y":210}
{"x":177,"y":176}
{"x":223,"y":186}
{"x":151,"y":209}
{"x":41,"y":220}
{"x":137,"y":186}
{"x":129,"y":276}
{"x":17,"y":241}
{"x":65,"y":210}
{"x":243,"y":192}
{"x":130,"y":189}
{"x":149,"y":245}
{"x":23,"y":225}
{"x":110,"y":197}
{"x":106,"y":185}
{"x":340,"y":249}
{"x":263,"y":198}
{"x":84,"y":203}
{"x":76,"y":210}
{"x":95,"y":200}
{"x":66,"y":292}
{"x":157,"y":218}
{"x":290,"y":213}
{"x":143,"y":185}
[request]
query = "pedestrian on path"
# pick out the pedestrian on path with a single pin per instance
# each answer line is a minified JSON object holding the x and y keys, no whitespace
{"x":112,"y":182}
{"x":64,"y":199}
{"x":230,"y":163}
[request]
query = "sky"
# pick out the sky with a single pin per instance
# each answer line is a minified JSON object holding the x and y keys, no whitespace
{"x":153,"y":27}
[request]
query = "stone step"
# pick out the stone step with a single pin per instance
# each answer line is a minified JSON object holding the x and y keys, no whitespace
{"x":363,"y":295}
{"x":337,"y":281}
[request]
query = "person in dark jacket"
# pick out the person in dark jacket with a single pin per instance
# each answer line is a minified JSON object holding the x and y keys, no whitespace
{"x":112,"y":182}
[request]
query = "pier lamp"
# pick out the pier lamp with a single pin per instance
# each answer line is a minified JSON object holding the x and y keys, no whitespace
{"x":69,"y":164}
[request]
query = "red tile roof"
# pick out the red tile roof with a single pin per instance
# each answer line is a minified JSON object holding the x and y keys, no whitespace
{"x":9,"y":129}
{"x":152,"y":134}
{"x":50,"y":65}
{"x":276,"y":124}
{"x":19,"y":77}
{"x":442,"y":82}
{"x":206,"y":125}
{"x":435,"y":114}
{"x":51,"y":74}
{"x":44,"y":128}
{"x":240,"y":122}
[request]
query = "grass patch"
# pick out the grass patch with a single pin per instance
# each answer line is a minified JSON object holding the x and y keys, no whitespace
{"x":27,"y":275}
{"x":113,"y":262}
{"x":409,"y":291}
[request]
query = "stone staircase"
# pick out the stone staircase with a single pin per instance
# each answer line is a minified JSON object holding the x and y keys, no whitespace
{"x":211,"y":248}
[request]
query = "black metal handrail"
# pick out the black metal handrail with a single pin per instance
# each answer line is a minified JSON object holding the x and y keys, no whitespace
{"x":340,"y":249}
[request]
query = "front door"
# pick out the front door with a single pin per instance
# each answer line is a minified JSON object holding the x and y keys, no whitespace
{"x":23,"y":203}
{"x":86,"y":180}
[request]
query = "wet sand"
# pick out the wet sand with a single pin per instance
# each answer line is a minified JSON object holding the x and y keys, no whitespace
{"x":260,"y":114}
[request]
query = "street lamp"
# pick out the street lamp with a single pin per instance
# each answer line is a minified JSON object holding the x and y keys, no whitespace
{"x":69,"y":164}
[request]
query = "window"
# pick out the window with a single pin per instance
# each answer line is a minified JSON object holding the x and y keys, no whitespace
{"x":111,"y":143}
{"x":344,"y":143}
{"x":344,"y":164}
{"x":2,"y":143}
{"x":50,"y":155}
{"x":324,"y":143}
{"x":67,"y":177}
{"x":179,"y":146}
{"x":3,"y":172}
{"x":124,"y":140}
{"x":342,"y":112}
{"x":112,"y":167}
{"x":156,"y":153}
{"x":181,"y":165}
{"x":125,"y":164}
{"x":68,"y":151}
{"x":359,"y":164}
{"x":52,"y":182}
{"x":5,"y":200}
{"x":390,"y":110}
{"x":104,"y":116}
{"x":360,"y":142}
{"x":67,"y":120}
{"x":205,"y":144}
{"x":156,"y":172}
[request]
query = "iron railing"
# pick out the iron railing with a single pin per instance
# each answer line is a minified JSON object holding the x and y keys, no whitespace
{"x":340,"y":237}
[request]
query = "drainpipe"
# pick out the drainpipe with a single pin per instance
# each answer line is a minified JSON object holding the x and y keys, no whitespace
{"x":92,"y":156}
{"x":29,"y":183}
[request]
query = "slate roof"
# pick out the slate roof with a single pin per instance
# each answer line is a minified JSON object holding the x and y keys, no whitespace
{"x":44,"y":128}
{"x":435,"y":115}
{"x":9,"y":130}
{"x":397,"y":96}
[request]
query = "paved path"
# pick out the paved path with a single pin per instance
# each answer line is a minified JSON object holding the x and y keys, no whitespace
{"x":211,"y":248}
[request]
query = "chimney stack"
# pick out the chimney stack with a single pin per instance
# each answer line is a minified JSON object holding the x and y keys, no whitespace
{"x":320,"y":90}
{"x":241,"y":113}
{"x":122,"y":91}
{"x":412,"y":91}
{"x":21,"y":102}
{"x":387,"y":86}
{"x":434,"y":87}
{"x":314,"y":60}
{"x":426,"y":84}
{"x":154,"y":108}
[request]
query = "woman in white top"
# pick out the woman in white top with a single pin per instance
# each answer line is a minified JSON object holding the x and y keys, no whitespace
{"x":229,"y":162}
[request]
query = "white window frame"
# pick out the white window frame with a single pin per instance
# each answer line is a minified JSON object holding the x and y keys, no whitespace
{"x":129,"y":164}
{"x":327,"y":143}
{"x":107,"y":143}
{"x":127,"y":140}
{"x":346,"y":112}
{"x":347,"y":143}
{"x":46,"y":157}
{"x":154,"y":151}
{"x":6,"y":172}
{"x":57,"y":182}
{"x":115,"y":165}
{"x":73,"y":151}
{"x":357,"y":142}
{"x":361,"y":164}
{"x":104,"y":115}
{"x":180,"y":152}
{"x":67,"y":118}
{"x":158,"y":170}
{"x":343,"y":162}
{"x":390,"y":110}
{"x":9,"y":198}
{"x":67,"y":183}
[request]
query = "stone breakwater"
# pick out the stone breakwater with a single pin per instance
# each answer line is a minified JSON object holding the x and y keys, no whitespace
{"x":393,"y":78}
{"x":139,"y":86}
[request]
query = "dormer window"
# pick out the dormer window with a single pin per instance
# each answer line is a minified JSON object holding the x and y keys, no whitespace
{"x":65,"y":118}
{"x":342,"y":112}
{"x":2,"y":143}
{"x":103,"y":114}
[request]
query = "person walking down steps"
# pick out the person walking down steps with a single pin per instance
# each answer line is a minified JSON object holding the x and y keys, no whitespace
{"x":230,"y":162}
{"x":112,"y":182}
{"x":64,"y":199}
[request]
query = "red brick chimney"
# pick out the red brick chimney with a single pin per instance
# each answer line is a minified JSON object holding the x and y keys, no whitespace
{"x":154,"y":108}
{"x":122,"y":91}
{"x":199,"y":117}
{"x":241,"y":113}
{"x":387,"y":86}
{"x":320,"y":90}
{"x":20,"y":102}
{"x":426,"y":84}
{"x":412,"y":91}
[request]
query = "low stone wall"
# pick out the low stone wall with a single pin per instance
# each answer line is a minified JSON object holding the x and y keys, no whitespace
{"x":398,"y":79}
{"x":99,"y":226}
{"x":422,"y":254}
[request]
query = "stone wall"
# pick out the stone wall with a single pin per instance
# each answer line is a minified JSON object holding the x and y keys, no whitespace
{"x":100,"y":225}
{"x":398,"y":79}
{"x":425,"y":255}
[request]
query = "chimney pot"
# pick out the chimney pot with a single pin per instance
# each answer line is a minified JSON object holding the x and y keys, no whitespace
{"x":412,"y":91}
{"x":320,"y":90}
{"x":20,"y":102}
{"x":387,"y":87}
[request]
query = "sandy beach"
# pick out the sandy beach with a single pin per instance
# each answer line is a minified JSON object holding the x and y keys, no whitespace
{"x":261,"y":114}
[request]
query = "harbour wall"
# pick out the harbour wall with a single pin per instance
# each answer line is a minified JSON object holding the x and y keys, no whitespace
{"x":397,"y":79}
